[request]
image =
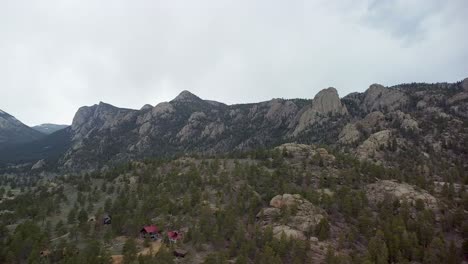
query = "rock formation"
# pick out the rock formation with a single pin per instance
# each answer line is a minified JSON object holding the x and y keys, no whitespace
{"x":369,"y":148}
{"x":325,"y":103}
{"x":328,"y":101}
{"x":377,"y":97}
{"x":377,"y":191}
{"x":304,"y":216}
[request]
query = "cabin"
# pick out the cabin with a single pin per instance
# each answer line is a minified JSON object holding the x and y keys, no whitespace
{"x":174,"y":236}
{"x":150,"y":231}
{"x":107,"y":220}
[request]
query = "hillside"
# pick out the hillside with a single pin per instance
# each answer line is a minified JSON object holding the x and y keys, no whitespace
{"x":292,"y":204}
{"x":373,"y":177}
{"x":12,"y":131}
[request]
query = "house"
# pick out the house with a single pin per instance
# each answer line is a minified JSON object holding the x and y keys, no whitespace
{"x":150,"y":231}
{"x":107,"y":220}
{"x":174,"y":236}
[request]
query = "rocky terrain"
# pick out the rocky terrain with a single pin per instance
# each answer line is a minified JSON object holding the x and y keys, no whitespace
{"x":291,"y":215}
{"x":295,"y":203}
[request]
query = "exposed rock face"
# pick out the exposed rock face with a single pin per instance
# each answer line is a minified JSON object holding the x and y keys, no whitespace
{"x":302,"y":151}
{"x":372,"y":120}
{"x":377,"y":97}
{"x":326,"y":102}
{"x":349,"y":135}
{"x":105,"y":135}
{"x":280,"y":111}
{"x":99,"y":117}
{"x":407,"y":122}
{"x":370,"y":147}
{"x":305,"y":218}
{"x":376,"y":193}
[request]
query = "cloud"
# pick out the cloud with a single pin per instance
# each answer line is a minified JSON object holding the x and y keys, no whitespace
{"x":56,"y":56}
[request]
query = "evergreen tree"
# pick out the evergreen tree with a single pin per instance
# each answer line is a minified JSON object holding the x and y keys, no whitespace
{"x":377,"y":249}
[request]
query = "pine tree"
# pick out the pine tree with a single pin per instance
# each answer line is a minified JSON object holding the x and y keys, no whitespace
{"x":377,"y":249}
{"x":322,"y":231}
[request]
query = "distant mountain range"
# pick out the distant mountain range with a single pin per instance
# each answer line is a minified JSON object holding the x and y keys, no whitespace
{"x":414,"y":121}
{"x":48,"y":128}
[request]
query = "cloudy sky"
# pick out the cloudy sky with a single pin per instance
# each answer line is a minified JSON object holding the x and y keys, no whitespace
{"x":56,"y":56}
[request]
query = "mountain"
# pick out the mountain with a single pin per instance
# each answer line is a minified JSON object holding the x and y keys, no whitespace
{"x":48,"y":128}
{"x":373,"y":177}
{"x":388,"y":125}
{"x":12,"y":131}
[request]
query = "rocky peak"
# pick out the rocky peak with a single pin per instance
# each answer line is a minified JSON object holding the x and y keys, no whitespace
{"x":186,"y":96}
{"x":325,"y":102}
{"x":5,"y":117}
{"x":146,"y":107}
{"x":97,"y":117}
{"x":13,"y":131}
{"x":82,"y":115}
{"x":378,"y":97}
{"x":328,"y":101}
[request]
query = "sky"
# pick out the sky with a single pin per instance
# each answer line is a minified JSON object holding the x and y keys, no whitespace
{"x":59,"y":55}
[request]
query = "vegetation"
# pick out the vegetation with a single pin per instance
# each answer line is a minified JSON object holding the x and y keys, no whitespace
{"x":217,"y":200}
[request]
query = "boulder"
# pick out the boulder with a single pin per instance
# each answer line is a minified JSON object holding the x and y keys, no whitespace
{"x":304,"y":218}
{"x":377,"y":191}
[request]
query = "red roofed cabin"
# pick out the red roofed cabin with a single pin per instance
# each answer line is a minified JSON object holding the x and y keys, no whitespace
{"x":150,"y":231}
{"x":174,"y":236}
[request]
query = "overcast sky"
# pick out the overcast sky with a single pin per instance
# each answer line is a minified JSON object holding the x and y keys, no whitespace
{"x":56,"y":56}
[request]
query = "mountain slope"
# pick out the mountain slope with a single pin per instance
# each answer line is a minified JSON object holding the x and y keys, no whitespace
{"x":12,"y":131}
{"x":393,"y":126}
{"x":48,"y":128}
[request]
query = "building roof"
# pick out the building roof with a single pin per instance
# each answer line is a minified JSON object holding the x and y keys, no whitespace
{"x":174,"y":235}
{"x":150,"y":229}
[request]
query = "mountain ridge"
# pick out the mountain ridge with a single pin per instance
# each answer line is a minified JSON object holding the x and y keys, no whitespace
{"x":13,"y":131}
{"x":104,"y":134}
